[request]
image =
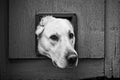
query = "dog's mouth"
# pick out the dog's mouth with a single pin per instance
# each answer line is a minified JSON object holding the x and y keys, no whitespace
{"x":54,"y":63}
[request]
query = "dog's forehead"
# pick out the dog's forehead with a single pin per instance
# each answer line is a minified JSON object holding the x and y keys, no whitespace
{"x":60,"y":26}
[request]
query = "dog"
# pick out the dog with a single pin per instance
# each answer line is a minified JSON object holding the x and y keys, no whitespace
{"x":56,"y":40}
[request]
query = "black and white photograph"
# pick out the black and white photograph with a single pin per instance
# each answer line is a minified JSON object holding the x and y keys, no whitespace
{"x":59,"y":39}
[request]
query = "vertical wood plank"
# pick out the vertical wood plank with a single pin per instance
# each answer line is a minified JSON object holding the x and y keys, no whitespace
{"x":116,"y":28}
{"x":3,"y":38}
{"x":112,"y":56}
{"x":109,"y":40}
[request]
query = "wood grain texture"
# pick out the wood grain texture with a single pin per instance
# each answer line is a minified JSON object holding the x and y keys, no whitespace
{"x":90,"y":14}
{"x":109,"y":41}
{"x":112,"y":56}
{"x":22,"y":26}
{"x":115,"y":12}
{"x":116,"y":27}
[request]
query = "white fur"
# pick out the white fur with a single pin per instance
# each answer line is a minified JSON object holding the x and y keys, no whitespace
{"x":56,"y":50}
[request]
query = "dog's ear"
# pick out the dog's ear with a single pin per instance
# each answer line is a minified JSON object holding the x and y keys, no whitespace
{"x":42,"y":24}
{"x":39,"y":30}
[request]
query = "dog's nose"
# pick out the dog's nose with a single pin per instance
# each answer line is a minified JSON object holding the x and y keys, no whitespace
{"x":72,"y":59}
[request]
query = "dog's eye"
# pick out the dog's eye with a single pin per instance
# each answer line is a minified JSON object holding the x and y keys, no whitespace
{"x":54,"y":37}
{"x":71,"y":35}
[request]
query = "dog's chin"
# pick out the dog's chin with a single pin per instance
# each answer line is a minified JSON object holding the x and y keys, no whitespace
{"x":62,"y":66}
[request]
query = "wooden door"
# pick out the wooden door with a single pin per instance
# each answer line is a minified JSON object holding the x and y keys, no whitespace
{"x":97,"y":39}
{"x":24,"y":64}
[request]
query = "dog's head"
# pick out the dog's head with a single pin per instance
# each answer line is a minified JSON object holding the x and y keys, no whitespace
{"x":56,"y":40}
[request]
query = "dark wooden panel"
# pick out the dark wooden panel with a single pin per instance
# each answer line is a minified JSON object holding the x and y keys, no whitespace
{"x":90,"y":14}
{"x":44,"y":70}
{"x":3,"y":38}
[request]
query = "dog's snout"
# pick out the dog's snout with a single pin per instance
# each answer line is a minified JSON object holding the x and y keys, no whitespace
{"x":72,"y":59}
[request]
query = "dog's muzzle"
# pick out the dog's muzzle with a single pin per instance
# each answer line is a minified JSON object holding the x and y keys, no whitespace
{"x":72,"y":59}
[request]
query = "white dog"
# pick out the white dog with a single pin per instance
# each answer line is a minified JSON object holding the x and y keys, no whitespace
{"x":56,"y":40}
